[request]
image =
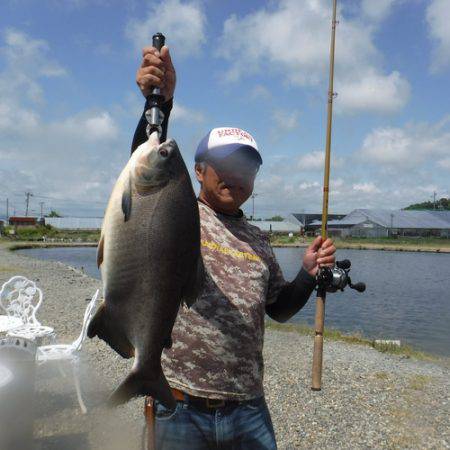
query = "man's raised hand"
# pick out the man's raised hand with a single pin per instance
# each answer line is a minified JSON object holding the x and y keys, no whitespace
{"x":156,"y":70}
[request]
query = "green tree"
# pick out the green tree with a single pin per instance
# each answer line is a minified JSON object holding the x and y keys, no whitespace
{"x":53,"y":213}
{"x":441,"y":204}
{"x":276,"y":219}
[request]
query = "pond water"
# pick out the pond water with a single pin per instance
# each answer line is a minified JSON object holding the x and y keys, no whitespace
{"x":407,"y":295}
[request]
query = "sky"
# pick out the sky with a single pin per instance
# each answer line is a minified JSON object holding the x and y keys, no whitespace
{"x":69,"y":103}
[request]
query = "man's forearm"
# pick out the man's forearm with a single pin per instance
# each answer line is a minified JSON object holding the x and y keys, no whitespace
{"x":140,"y":135}
{"x":292,"y":298}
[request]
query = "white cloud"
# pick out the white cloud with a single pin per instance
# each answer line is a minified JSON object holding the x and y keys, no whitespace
{"x":185,"y":114}
{"x":393,"y":168}
{"x":315,"y":160}
{"x":306,"y":185}
{"x":438,"y":18}
{"x":260,"y":92}
{"x":367,"y":188}
{"x":408,"y":147}
{"x":87,"y":127}
{"x":285,"y":120}
{"x":444,"y":163}
{"x":68,"y":158}
{"x":377,"y":10}
{"x":299,"y":52}
{"x":375,"y":92}
{"x":25,"y":61}
{"x":182,"y":22}
{"x":387,"y":146}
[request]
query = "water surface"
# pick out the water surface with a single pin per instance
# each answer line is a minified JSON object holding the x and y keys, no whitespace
{"x":407,"y":295}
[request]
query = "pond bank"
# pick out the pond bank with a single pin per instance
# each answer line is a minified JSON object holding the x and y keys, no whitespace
{"x":21,"y":245}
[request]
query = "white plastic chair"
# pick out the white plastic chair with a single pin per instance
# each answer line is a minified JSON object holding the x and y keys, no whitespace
{"x":70,"y":352}
{"x":21,"y":298}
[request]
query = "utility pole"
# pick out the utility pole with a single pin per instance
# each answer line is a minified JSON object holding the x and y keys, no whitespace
{"x":253,"y":205}
{"x":434,"y":199}
{"x":7,"y":209}
{"x":28,"y":194}
{"x":42,"y":204}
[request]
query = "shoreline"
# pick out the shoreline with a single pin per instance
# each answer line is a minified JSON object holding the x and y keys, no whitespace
{"x":383,"y":247}
{"x":22,"y":245}
{"x":369,"y":399}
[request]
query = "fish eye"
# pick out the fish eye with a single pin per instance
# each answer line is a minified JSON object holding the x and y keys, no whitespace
{"x":164,"y":153}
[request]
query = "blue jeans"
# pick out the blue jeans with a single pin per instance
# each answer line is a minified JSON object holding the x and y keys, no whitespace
{"x":246,"y":426}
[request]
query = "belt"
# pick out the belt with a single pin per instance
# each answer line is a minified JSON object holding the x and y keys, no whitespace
{"x":204,"y":403}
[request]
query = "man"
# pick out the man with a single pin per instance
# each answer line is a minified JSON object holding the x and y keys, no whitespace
{"x":215,"y":365}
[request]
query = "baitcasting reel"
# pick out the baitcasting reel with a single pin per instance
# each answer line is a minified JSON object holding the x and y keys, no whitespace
{"x":332,"y":279}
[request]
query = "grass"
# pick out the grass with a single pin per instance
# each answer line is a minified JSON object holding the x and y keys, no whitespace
{"x":336,"y":335}
{"x":418,"y":382}
{"x":9,"y":269}
{"x":427,"y":243}
{"x":381,"y":376}
{"x":48,"y":233}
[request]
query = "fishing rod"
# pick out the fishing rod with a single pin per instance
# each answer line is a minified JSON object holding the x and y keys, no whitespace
{"x":336,"y":278}
{"x":155,"y":99}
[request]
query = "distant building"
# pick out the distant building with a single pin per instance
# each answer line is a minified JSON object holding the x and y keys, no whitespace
{"x":307,"y":219}
{"x":270,"y":226}
{"x":383,"y":223}
{"x":22,"y":221}
{"x":75,"y":223}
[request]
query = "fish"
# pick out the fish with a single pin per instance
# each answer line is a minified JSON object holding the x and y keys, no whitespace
{"x":150,"y":262}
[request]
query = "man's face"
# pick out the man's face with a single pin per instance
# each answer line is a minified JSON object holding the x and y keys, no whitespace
{"x":227,"y":183}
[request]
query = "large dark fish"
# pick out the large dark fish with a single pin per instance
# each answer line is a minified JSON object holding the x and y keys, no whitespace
{"x":149,"y":256}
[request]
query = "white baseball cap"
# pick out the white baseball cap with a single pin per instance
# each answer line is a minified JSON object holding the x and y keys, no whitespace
{"x":222,"y":142}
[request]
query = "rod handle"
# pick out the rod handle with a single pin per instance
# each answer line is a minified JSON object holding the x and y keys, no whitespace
{"x":158,"y":42}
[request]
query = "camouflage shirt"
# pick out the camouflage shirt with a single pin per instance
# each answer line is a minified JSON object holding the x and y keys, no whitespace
{"x":218,"y":342}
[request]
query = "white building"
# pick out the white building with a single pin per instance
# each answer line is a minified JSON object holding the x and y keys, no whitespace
{"x":385,"y":222}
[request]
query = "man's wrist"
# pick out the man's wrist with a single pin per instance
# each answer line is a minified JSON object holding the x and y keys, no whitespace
{"x":165,"y":106}
{"x":306,"y":277}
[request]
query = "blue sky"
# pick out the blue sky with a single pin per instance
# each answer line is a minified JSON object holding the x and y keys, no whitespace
{"x":69,"y":103}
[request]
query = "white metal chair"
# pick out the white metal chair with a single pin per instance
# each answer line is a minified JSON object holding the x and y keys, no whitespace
{"x":21,"y":298}
{"x":70,"y":352}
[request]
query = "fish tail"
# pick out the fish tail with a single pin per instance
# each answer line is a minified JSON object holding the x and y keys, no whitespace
{"x":138,"y":383}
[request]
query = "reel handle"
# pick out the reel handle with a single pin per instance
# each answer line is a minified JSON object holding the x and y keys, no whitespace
{"x":344,"y":264}
{"x":360,"y":287}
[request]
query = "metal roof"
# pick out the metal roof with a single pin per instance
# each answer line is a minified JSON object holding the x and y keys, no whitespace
{"x":75,"y":223}
{"x":285,"y":227}
{"x":396,"y":218}
{"x":443,"y":215}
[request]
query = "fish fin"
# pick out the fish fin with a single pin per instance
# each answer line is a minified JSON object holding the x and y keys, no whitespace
{"x":194,"y":284}
{"x":100,"y":251}
{"x":126,"y":199}
{"x":136,"y":384}
{"x":102,"y":326}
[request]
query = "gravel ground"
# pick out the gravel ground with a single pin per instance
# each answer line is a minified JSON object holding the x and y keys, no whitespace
{"x":368,"y":400}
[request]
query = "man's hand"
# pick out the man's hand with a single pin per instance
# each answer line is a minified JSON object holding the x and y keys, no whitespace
{"x":156,"y":70}
{"x":319,"y":254}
